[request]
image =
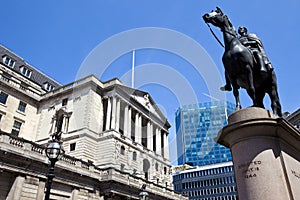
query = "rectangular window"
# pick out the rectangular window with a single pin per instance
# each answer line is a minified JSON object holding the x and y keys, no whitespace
{"x":8,"y":61}
{"x":134,"y":156}
{"x":64,"y":101}
{"x":23,"y":86}
{"x":26,"y":72}
{"x":16,"y":128}
{"x":72,"y":147}
{"x":4,"y":78}
{"x":48,"y":86}
{"x":22,"y":106}
{"x":3,"y":97}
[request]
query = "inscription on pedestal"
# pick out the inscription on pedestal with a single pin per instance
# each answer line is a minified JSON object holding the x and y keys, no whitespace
{"x":250,"y":169}
{"x":296,"y":174}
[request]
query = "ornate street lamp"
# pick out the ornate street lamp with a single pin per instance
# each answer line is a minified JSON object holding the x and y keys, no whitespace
{"x":143,"y":194}
{"x":54,"y":152}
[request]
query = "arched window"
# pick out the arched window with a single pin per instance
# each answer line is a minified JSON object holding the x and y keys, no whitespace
{"x":165,"y":170}
{"x":146,"y":167}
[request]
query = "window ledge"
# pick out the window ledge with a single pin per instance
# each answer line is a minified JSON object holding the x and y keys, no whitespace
{"x":4,"y":105}
{"x":20,"y":112}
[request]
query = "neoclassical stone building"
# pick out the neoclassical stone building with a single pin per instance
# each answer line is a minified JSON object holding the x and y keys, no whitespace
{"x":115,"y":137}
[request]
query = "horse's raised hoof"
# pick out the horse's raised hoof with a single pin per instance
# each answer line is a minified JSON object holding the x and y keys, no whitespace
{"x":226,"y":88}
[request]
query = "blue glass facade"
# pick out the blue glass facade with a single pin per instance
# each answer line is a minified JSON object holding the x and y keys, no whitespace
{"x":196,"y":127}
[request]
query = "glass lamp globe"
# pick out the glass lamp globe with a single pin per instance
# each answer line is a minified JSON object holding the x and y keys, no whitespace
{"x":54,"y":151}
{"x":143,"y":195}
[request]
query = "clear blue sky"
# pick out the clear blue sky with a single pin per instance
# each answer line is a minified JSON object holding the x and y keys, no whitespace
{"x":58,"y":36}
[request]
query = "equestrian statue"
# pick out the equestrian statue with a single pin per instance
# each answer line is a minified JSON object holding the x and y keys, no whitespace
{"x":246,"y":64}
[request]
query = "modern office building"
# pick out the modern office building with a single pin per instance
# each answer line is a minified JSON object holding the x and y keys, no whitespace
{"x":211,"y":182}
{"x":294,"y":118}
{"x":115,"y":137}
{"x":212,"y":177}
{"x":196,"y":127}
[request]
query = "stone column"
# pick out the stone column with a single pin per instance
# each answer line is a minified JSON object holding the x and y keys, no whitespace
{"x":75,"y":194}
{"x":126,"y":116}
{"x":150,"y":136}
{"x":166,"y":145}
{"x":53,"y":123}
{"x":266,"y":155}
{"x":16,"y":189}
{"x":41,"y":190}
{"x":63,"y":123}
{"x":118,"y":114}
{"x":129,"y":123}
{"x":113,"y":113}
{"x":108,"y":114}
{"x":138,"y":126}
{"x":67,"y":122}
{"x":158,"y":141}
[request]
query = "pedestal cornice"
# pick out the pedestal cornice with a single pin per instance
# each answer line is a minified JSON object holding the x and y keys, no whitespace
{"x":256,"y":122}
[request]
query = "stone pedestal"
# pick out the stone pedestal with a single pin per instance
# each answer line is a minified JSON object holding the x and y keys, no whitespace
{"x":266,"y":155}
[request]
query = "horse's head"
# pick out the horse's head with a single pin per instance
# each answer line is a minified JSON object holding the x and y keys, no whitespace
{"x":216,"y":18}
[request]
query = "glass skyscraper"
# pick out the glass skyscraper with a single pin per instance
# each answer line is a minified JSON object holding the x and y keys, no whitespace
{"x":196,"y":127}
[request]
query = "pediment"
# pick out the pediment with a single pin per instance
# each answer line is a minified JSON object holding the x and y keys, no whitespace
{"x":145,"y":100}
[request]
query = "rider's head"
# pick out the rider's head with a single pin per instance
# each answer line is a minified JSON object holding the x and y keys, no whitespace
{"x":242,"y":30}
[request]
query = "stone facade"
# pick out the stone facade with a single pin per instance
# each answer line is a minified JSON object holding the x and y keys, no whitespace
{"x":24,"y":171}
{"x":115,"y":137}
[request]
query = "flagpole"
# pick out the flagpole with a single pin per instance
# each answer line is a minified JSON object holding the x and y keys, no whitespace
{"x":132,"y":69}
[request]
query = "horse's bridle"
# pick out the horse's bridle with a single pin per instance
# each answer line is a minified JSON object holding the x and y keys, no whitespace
{"x":223,"y":30}
{"x":215,"y":35}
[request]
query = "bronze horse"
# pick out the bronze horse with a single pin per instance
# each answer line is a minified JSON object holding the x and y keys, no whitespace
{"x":239,"y":66}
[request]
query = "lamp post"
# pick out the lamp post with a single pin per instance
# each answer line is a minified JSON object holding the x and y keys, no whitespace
{"x":143,"y":194}
{"x":54,"y":152}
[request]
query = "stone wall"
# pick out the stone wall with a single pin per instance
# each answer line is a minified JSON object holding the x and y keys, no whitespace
{"x":24,"y":168}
